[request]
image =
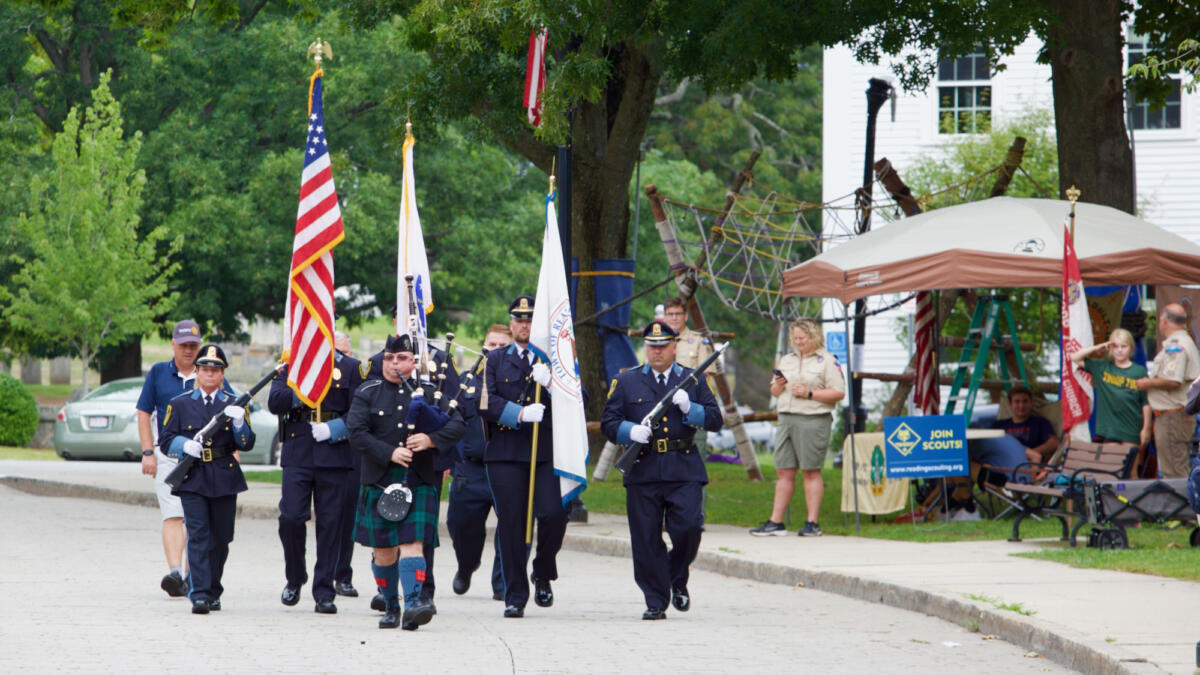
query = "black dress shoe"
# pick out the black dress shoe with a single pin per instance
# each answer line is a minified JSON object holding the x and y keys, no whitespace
{"x":418,"y":614}
{"x":347,"y":589}
{"x":542,"y":595}
{"x":325,"y":607}
{"x":391,"y":618}
{"x":680,"y":598}
{"x":378,"y":603}
{"x":652,"y":614}
{"x":214,"y":605}
{"x":514,"y":612}
{"x":201,"y":607}
{"x":290,"y":595}
{"x":462,"y":583}
{"x":498,"y":595}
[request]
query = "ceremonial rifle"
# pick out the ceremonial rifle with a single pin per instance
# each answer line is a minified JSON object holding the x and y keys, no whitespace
{"x":180,"y":472}
{"x":653,"y":419}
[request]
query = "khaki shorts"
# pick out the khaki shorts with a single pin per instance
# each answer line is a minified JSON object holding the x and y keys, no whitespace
{"x":802,"y":441}
{"x":168,"y":504}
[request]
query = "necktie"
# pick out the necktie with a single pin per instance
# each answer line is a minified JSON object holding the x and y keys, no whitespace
{"x":662,"y":379}
{"x":208,"y":401}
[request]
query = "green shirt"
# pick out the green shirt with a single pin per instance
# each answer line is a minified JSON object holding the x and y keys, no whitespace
{"x":1118,"y":401}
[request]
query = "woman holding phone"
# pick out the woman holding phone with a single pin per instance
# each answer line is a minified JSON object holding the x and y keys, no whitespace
{"x":807,"y":385}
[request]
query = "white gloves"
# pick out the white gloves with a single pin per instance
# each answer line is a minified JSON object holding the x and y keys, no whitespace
{"x":192,"y":448}
{"x":320,"y":431}
{"x":682,"y":400}
{"x":237,"y":414}
{"x":541,"y":374}
{"x":534,"y":412}
{"x":640,"y":433}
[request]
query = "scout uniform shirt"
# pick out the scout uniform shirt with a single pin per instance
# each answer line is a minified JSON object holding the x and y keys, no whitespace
{"x":819,"y":370}
{"x":1178,"y":361}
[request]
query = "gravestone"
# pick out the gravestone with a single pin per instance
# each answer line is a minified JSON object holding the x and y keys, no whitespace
{"x":31,"y":370}
{"x":60,"y":370}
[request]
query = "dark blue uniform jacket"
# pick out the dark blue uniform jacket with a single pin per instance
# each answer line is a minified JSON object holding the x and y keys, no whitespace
{"x":299,"y":448}
{"x":632,"y":395}
{"x":185,"y":417}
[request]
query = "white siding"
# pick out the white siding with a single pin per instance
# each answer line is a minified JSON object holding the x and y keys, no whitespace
{"x":1168,"y":190}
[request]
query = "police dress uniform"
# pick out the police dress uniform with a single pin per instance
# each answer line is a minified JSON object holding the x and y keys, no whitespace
{"x":448,"y":386}
{"x":470,"y":501}
{"x":316,"y":477}
{"x":666,"y":480}
{"x":508,"y":387}
{"x":209,"y":493}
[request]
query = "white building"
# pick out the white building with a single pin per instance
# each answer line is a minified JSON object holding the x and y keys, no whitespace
{"x":966,"y":91}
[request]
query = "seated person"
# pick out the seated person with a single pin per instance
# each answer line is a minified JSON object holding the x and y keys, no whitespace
{"x":1035,"y":433}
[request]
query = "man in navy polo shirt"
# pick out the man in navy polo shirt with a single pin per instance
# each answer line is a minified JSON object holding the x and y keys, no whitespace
{"x":165,"y":381}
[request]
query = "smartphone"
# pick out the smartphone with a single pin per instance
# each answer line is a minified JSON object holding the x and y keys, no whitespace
{"x":777,"y":373}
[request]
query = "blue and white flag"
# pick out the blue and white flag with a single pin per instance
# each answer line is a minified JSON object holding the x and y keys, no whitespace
{"x":411,"y":259}
{"x":552,"y":337}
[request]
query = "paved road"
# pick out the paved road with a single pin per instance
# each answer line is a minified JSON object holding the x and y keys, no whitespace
{"x":79,"y":589}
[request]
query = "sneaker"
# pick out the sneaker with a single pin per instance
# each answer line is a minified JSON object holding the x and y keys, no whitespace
{"x":174,"y":585}
{"x":810,"y":529}
{"x":769,"y":529}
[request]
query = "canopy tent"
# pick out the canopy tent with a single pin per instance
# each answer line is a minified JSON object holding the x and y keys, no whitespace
{"x":1002,"y":242}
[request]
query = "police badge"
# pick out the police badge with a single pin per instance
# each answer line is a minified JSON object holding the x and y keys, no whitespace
{"x":395,"y":502}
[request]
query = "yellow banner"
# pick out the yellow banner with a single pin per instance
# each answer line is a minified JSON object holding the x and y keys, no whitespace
{"x":877,"y":494}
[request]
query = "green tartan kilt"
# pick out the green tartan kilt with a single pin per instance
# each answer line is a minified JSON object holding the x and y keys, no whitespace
{"x":421,"y":523}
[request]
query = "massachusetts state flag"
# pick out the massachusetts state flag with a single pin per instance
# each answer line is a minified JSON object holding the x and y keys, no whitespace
{"x":535,"y":76}
{"x":1076,"y":335}
{"x":552,"y":338}
{"x":411,"y":258}
{"x":308,"y":317}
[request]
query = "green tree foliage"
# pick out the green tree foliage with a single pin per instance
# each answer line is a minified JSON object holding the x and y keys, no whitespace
{"x":18,"y":412}
{"x":89,"y":280}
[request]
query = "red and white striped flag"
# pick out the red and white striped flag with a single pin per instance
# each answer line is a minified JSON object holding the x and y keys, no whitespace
{"x":926,"y":394}
{"x":1076,"y":335}
{"x":535,"y":76}
{"x":308,"y":322}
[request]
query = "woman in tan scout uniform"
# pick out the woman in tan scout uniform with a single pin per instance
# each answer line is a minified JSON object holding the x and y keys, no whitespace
{"x":808,"y":385}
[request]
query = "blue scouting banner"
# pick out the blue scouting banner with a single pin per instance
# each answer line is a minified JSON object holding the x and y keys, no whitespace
{"x":835,"y":343}
{"x":930,"y":446}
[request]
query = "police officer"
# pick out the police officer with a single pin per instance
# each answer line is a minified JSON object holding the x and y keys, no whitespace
{"x":470,"y":496}
{"x":445,"y":380}
{"x":316,"y":458}
{"x":391,"y":455}
{"x":666,"y":480}
{"x":209,"y":493}
{"x":343,"y":576}
{"x":509,"y":409}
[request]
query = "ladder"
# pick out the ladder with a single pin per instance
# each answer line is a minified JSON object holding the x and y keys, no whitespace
{"x":981,"y":338}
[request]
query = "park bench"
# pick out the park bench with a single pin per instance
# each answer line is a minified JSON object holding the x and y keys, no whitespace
{"x":1062,"y":492}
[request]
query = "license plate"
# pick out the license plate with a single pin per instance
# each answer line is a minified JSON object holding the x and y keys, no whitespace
{"x":97,"y":422}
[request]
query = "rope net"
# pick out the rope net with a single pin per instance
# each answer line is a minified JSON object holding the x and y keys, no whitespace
{"x":741,"y":257}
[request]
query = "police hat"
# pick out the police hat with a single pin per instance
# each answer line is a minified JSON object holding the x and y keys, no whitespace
{"x":658,"y":333}
{"x":212,"y":355}
{"x":398,"y":343}
{"x":521,"y":308}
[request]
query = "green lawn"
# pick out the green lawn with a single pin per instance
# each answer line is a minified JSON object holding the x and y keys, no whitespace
{"x":9,"y":452}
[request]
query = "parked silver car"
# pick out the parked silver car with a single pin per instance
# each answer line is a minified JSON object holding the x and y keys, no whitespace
{"x":103,"y":425}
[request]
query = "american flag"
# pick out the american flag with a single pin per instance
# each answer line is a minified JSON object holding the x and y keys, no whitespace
{"x":535,"y":76}
{"x":926,"y":395}
{"x":309,"y":311}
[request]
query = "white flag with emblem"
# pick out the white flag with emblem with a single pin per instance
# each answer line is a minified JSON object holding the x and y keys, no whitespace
{"x":552,"y":337}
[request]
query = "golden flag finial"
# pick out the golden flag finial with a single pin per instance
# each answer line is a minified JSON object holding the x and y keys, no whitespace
{"x":1073,"y":194}
{"x":319,"y":51}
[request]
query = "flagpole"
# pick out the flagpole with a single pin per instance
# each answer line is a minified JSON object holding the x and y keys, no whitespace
{"x":533,"y":448}
{"x":1072,"y":195}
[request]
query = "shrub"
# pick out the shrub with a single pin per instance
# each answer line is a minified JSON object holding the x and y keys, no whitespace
{"x":18,"y":412}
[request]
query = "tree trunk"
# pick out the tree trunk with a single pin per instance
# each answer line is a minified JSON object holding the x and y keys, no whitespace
{"x":1086,"y":64}
{"x":124,"y":360}
{"x":605,"y":139}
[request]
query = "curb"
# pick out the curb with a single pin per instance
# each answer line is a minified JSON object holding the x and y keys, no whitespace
{"x":1069,"y":651}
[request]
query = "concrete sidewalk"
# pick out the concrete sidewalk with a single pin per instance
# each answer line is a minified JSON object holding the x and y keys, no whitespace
{"x":1094,"y":621}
